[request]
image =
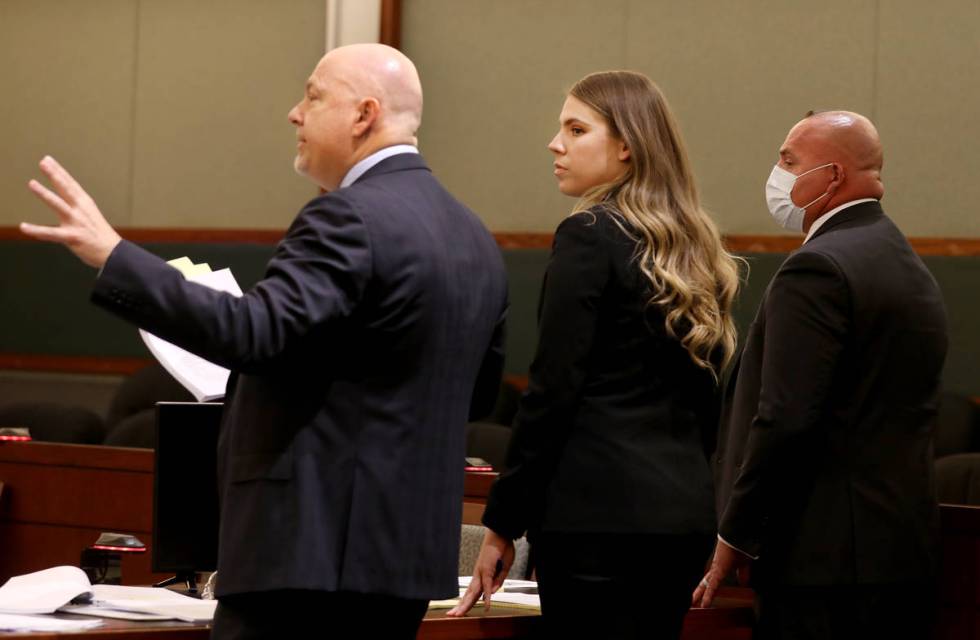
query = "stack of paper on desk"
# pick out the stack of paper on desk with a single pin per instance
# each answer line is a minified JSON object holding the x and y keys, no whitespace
{"x":205,"y":380}
{"x":161,"y":604}
{"x":38,"y":623}
{"x":54,"y":589}
{"x":510,"y":584}
{"x":507,"y":595}
{"x":44,"y":591}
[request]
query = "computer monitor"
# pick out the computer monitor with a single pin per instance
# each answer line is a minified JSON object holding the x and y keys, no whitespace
{"x":185,"y":490}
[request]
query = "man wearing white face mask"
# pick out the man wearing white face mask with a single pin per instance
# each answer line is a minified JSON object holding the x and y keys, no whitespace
{"x":824,"y":464}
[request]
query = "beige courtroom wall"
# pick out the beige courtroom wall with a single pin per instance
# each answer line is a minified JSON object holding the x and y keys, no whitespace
{"x":66,"y":73}
{"x":738,"y":76}
{"x":929,"y":114}
{"x":215,"y":81}
{"x":494,"y":76}
{"x":171,"y":112}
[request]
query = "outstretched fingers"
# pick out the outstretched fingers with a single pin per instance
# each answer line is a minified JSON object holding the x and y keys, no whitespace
{"x":63,"y":182}
{"x":82,"y":228}
{"x":48,"y":234}
{"x":59,"y":206}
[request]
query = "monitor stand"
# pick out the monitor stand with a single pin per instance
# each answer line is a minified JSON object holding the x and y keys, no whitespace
{"x":188,"y":578}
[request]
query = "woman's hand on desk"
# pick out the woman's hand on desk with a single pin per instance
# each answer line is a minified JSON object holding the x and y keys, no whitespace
{"x":725,"y":560}
{"x":492,"y":566}
{"x":83,"y":228}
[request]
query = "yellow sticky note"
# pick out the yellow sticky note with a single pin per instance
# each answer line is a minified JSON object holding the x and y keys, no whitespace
{"x":188,"y":268}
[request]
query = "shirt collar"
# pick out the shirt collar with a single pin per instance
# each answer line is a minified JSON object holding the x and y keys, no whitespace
{"x":819,"y":222}
{"x":361,"y":167}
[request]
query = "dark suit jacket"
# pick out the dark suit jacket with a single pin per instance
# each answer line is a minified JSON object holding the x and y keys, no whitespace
{"x":825,"y":458}
{"x":609,"y":436}
{"x":354,"y":360}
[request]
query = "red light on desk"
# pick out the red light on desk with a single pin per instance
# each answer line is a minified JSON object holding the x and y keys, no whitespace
{"x":477,"y":464}
{"x":14,"y":434}
{"x":105,"y":547}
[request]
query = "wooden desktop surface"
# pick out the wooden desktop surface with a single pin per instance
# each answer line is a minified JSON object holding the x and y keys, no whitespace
{"x":498,"y":623}
{"x":731,"y":620}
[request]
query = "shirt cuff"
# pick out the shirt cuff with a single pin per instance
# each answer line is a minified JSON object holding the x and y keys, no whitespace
{"x":731,"y":546}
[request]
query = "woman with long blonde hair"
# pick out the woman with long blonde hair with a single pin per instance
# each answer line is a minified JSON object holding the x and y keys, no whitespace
{"x":607,"y":468}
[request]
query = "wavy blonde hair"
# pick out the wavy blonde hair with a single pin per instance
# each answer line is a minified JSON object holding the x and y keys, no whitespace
{"x":679,"y":248}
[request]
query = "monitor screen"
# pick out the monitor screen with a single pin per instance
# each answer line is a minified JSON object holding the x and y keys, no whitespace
{"x":185,"y":487}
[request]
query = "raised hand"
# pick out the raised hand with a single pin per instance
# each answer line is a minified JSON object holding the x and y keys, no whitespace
{"x":83,"y":228}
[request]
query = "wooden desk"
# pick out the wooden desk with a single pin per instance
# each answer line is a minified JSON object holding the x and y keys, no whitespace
{"x":959,"y":590}
{"x":723,"y":623}
{"x":499,"y":623}
{"x":58,"y":498}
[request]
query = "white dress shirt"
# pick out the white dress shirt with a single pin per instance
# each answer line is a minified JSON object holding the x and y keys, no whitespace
{"x":819,"y":222}
{"x":361,"y":167}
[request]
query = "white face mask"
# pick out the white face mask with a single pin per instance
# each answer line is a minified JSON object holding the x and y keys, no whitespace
{"x":779,"y":186}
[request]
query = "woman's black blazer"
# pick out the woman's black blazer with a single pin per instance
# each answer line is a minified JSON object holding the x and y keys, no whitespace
{"x":613,"y":432}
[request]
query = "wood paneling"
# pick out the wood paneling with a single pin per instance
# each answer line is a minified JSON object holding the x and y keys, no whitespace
{"x":58,"y":498}
{"x":506,"y":240}
{"x":959,"y":587}
{"x":391,"y":23}
{"x":72,"y":364}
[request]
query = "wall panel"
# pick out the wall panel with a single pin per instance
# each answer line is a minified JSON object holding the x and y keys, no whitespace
{"x":215,"y":81}
{"x":66,"y":71}
{"x":928,"y":101}
{"x":495,"y":76}
{"x":739,"y":75}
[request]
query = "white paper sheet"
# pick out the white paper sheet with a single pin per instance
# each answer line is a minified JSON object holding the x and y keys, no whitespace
{"x":205,"y":380}
{"x":37,"y":623}
{"x":43,"y":591}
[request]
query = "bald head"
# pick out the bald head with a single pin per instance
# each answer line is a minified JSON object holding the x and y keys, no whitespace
{"x":849,"y":145}
{"x":359,"y":99}
{"x":849,"y":135}
{"x":380,"y":72}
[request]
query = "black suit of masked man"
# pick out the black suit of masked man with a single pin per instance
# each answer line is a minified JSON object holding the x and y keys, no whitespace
{"x":825,"y":460}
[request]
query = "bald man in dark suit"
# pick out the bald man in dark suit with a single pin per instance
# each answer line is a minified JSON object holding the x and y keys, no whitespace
{"x":824,"y":465}
{"x":355,"y":363}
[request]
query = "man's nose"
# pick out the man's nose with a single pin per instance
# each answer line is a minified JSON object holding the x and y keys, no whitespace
{"x":293,"y":115}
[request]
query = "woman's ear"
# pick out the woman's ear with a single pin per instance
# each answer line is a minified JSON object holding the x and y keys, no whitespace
{"x":624,"y":152}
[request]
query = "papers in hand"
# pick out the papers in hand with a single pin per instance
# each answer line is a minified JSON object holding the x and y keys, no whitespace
{"x":205,"y":380}
{"x":53,"y":589}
